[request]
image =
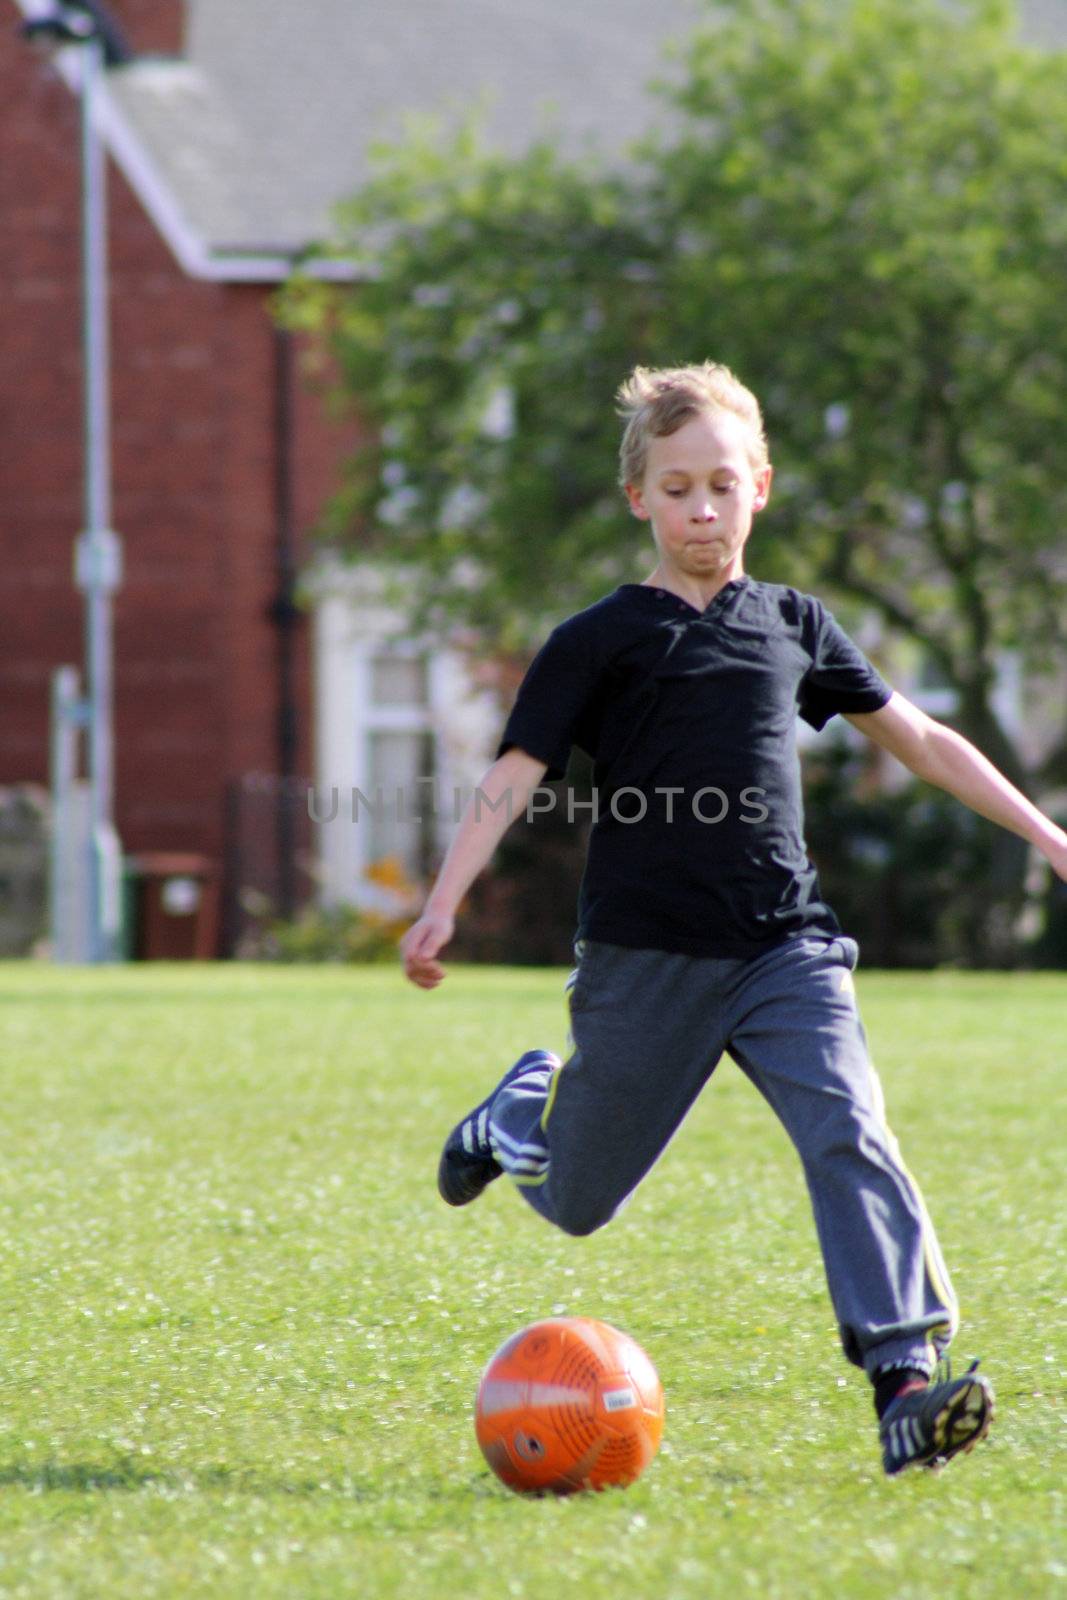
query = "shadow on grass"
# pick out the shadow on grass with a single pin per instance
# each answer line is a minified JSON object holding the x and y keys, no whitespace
{"x":84,"y":1477}
{"x":80,"y":1477}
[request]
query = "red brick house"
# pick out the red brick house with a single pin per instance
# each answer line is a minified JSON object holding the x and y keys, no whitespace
{"x":218,"y":457}
{"x":232,"y":126}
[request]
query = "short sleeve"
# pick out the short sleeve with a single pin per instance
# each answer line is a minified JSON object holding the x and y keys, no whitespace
{"x":840,"y":678}
{"x":551,"y":710}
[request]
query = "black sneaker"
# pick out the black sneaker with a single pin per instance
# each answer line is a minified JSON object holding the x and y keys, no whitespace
{"x":467,"y":1161}
{"x":929,"y":1426}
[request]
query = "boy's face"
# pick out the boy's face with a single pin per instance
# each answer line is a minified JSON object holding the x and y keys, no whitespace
{"x":700,"y":493}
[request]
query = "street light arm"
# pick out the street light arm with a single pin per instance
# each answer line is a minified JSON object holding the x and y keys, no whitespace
{"x":60,"y":22}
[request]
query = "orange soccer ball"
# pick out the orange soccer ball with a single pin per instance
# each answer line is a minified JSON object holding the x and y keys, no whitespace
{"x":569,"y":1404}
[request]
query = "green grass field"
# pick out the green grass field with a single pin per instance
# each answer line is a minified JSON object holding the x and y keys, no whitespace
{"x":241,"y":1334}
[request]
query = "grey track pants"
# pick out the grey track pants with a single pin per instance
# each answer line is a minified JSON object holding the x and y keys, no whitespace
{"x":649,"y":1027}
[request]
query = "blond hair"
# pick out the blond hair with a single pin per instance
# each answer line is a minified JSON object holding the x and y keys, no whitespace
{"x":657,"y":401}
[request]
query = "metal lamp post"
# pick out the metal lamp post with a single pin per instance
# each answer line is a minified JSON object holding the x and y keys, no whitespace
{"x":98,"y":552}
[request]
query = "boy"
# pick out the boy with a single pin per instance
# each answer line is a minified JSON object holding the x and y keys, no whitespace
{"x":701,"y":927}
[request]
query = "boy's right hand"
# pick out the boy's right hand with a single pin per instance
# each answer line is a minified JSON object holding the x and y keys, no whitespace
{"x":420,"y":945}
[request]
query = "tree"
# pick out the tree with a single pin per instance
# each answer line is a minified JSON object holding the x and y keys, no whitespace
{"x":860,"y":206}
{"x":502,"y":300}
{"x":877,"y":190}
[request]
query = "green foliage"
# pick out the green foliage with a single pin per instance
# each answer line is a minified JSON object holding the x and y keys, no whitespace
{"x":242,"y":1335}
{"x":327,"y":934}
{"x":503,"y":298}
{"x":907,"y":871}
{"x":875,"y":191}
{"x":859,"y":205}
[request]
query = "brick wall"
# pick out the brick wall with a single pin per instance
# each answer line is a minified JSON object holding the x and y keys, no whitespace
{"x":40,"y":370}
{"x":151,"y":27}
{"x":193,"y":473}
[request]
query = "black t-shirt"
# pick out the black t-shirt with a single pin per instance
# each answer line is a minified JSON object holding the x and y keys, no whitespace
{"x":693,"y":714}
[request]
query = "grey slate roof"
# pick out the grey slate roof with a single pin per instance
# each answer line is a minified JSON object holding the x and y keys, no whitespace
{"x":267,"y":121}
{"x":1045,"y":21}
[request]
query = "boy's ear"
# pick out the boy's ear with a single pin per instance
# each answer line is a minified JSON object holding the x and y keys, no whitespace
{"x":637,"y":504}
{"x":763,"y":488}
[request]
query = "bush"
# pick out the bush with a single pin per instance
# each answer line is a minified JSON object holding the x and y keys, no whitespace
{"x":340,"y":934}
{"x":333,"y":934}
{"x":913,"y":875}
{"x":1048,"y":947}
{"x":24,"y":825}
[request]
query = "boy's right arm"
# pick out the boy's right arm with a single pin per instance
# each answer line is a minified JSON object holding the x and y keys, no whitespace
{"x":500,"y":797}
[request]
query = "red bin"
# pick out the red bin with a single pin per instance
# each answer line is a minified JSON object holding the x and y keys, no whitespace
{"x":175,"y":907}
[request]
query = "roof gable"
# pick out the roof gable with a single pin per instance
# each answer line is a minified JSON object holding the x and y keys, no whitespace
{"x":242,"y":149}
{"x":269,"y":121}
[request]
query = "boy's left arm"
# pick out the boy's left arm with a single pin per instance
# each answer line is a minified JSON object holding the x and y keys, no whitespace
{"x":943,"y":757}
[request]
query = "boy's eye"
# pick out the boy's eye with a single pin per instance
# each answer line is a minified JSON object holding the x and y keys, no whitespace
{"x":717,"y":488}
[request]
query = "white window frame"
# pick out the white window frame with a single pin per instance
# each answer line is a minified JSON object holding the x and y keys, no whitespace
{"x":351,"y":626}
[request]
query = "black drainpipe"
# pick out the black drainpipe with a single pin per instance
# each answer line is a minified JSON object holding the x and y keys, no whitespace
{"x":285,"y":615}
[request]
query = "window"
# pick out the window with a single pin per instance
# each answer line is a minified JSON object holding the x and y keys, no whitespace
{"x":401,"y":819}
{"x":399,"y":681}
{"x":398,"y":760}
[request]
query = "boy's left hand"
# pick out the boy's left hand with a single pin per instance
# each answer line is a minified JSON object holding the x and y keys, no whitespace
{"x":420,"y":945}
